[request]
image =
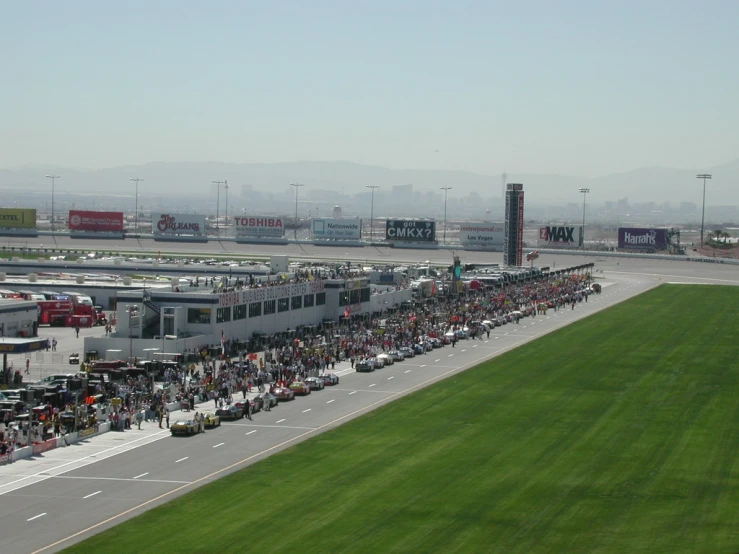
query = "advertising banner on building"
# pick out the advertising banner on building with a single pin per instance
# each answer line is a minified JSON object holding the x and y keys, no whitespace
{"x":410,"y":230}
{"x":99,"y":222}
{"x":17,"y":218}
{"x":567,"y":236}
{"x":640,"y":238}
{"x":346,"y":229}
{"x":259,"y":227}
{"x":178,"y":224}
{"x":482,"y":234}
{"x":519,"y":240}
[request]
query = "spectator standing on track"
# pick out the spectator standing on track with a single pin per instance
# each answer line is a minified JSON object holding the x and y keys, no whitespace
{"x":247,"y":410}
{"x":166,"y":415}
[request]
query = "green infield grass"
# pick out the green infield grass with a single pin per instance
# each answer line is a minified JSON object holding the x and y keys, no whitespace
{"x":617,"y":434}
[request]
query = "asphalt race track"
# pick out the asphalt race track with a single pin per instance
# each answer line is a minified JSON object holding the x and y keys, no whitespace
{"x":52,"y":510}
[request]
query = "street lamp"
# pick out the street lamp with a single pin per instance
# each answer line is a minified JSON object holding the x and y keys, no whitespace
{"x":53,"y":178}
{"x":705,"y":177}
{"x":297,"y":186}
{"x":225,"y":186}
{"x":218,"y":202}
{"x":584,"y":192}
{"x":136,"y":209}
{"x":446,"y":191}
{"x":372,"y":207}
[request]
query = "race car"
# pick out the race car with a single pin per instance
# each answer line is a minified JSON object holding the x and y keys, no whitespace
{"x":329,"y":379}
{"x":315,"y":383}
{"x":255,"y":404}
{"x":396,"y":355}
{"x":300,"y":388}
{"x":283,"y":393}
{"x":230,"y":413}
{"x":364,"y":365}
{"x":211,"y":420}
{"x":184,"y":427}
{"x":268,"y":399}
{"x":387,"y":359}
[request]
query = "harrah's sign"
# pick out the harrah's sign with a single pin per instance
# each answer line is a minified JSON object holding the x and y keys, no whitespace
{"x":642,"y":239}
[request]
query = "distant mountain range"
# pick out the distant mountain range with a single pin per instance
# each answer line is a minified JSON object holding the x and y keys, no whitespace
{"x":649,"y":184}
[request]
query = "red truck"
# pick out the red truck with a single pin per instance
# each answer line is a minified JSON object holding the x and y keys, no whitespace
{"x":67,"y":313}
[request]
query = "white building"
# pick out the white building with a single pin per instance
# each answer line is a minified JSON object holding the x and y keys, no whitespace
{"x":18,"y":318}
{"x":175,"y":322}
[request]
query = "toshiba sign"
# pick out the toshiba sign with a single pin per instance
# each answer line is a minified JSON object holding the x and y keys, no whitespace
{"x":265,"y":226}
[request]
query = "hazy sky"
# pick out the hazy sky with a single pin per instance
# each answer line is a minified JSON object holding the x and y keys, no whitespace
{"x":579,"y":88}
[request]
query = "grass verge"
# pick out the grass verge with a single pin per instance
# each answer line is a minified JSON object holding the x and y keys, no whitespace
{"x":616,"y":434}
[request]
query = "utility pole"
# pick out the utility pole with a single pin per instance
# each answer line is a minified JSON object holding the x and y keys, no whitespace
{"x":136,"y":208}
{"x":446,"y":190}
{"x":297,"y":186}
{"x":372,"y":208}
{"x":705,"y":177}
{"x":584,"y":192}
{"x":53,"y":178}
{"x":218,"y":203}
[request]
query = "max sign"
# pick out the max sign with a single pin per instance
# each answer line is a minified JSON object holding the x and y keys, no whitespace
{"x":410,"y":230}
{"x":560,"y":236}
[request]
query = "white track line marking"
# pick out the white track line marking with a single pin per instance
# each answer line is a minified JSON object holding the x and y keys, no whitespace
{"x":142,"y":475}
{"x":353,"y":392}
{"x":329,"y":402}
{"x":438,"y":360}
{"x":36,"y":517}
{"x":219,"y":444}
{"x":181,"y":459}
{"x":91,"y":495}
{"x":390,"y":378}
{"x":372,"y":385}
{"x":280,"y":420}
{"x":250,"y":432}
{"x":308,"y":410}
{"x":424,"y":365}
{"x":464,"y":350}
{"x":408,"y":370}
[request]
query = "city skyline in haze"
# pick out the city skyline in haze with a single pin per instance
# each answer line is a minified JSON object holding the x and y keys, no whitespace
{"x":578,"y":89}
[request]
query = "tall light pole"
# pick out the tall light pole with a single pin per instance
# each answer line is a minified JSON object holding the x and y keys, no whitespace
{"x":372,"y":208}
{"x":297,"y":186}
{"x":136,"y":208}
{"x":53,"y":178}
{"x":218,"y":202}
{"x":584,"y":192}
{"x":446,"y":190}
{"x":225,"y":186}
{"x":705,"y":177}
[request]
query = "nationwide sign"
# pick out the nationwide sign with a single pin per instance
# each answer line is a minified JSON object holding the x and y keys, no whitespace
{"x":560,"y":236}
{"x":178,"y":224}
{"x":17,"y":218}
{"x":82,"y":220}
{"x":324,"y":228}
{"x":640,"y":238}
{"x":410,"y":230}
{"x":246,"y":296}
{"x":482,"y":234}
{"x":265,"y":226}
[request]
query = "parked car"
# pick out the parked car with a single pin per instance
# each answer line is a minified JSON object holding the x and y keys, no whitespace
{"x":396,"y":355}
{"x":268,"y":399}
{"x":379,"y":362}
{"x":329,"y":379}
{"x":300,"y":388}
{"x":407,"y":351}
{"x":74,"y":359}
{"x":387,"y":359}
{"x":364,"y":365}
{"x":230,"y":413}
{"x":283,"y":394}
{"x":315,"y":383}
{"x":211,"y":420}
{"x":184,"y":427}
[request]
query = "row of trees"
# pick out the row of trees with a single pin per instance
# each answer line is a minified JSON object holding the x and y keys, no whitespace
{"x":717,"y":236}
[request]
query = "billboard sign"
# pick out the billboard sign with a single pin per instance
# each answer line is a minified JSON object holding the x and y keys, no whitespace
{"x":17,"y":218}
{"x":106,"y":222}
{"x":640,"y":238}
{"x":266,"y":226}
{"x":519,"y":223}
{"x":560,"y":236}
{"x":324,"y":228}
{"x":410,"y":230}
{"x":178,"y":224}
{"x":482,"y":234}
